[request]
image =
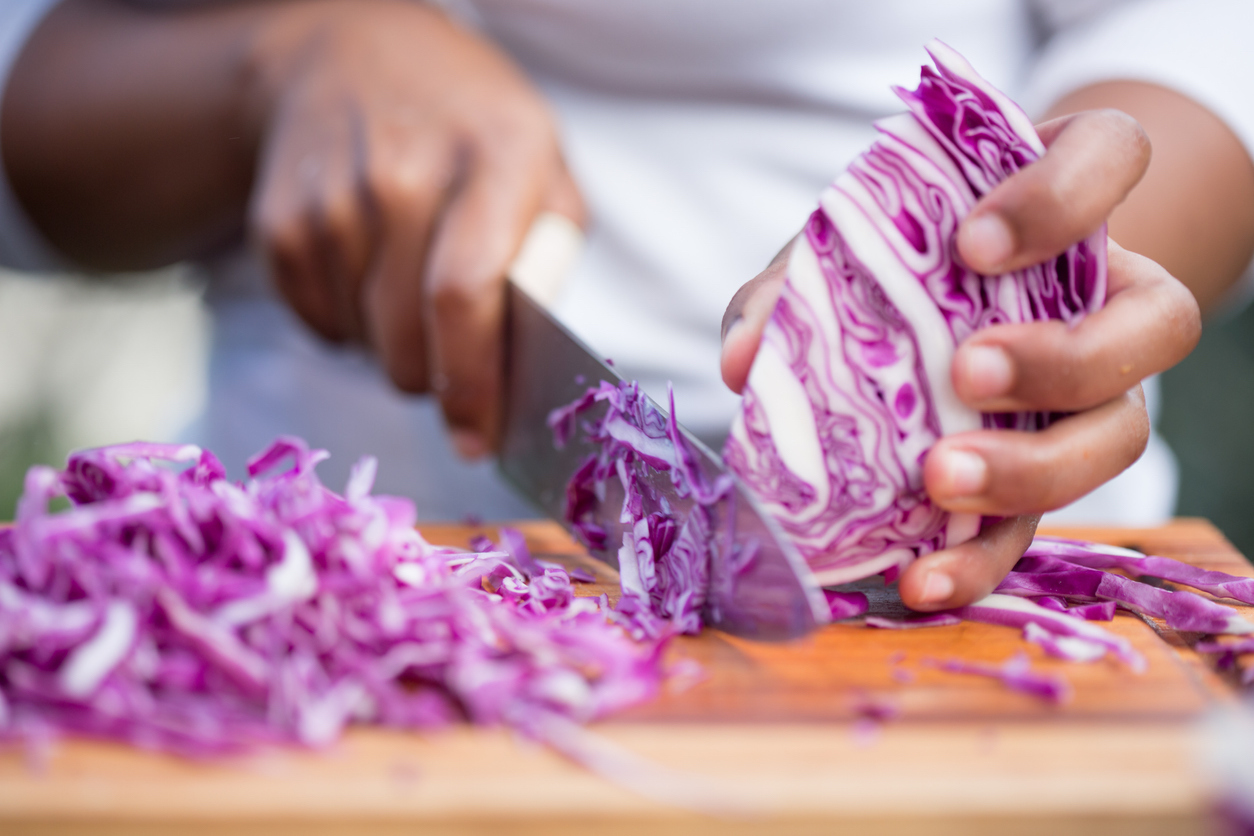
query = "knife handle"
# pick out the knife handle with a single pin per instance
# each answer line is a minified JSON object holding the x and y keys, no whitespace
{"x":546,"y":256}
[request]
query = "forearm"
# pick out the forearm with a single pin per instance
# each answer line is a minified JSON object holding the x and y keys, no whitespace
{"x":1193,"y":212}
{"x":131,"y":136}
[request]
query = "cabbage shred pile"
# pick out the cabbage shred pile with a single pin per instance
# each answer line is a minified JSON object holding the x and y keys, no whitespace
{"x":664,"y":559}
{"x":174,"y":609}
{"x":851,"y":386}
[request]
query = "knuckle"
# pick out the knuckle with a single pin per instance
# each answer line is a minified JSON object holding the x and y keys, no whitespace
{"x":281,"y":233}
{"x":339,"y":216}
{"x":1036,"y":482}
{"x":1041,"y":205}
{"x":1055,"y":364}
{"x":1127,"y":129}
{"x":286,"y":235}
{"x":1138,"y":431}
{"x":452,"y":294}
{"x":461,"y":283}
{"x":406,"y":184}
{"x":1052,"y":494}
{"x":1185,"y":314}
{"x":1044,"y":461}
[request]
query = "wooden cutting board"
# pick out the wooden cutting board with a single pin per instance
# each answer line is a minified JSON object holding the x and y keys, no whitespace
{"x":774,"y":735}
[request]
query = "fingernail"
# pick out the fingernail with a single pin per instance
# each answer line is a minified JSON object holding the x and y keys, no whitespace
{"x":937,"y":587}
{"x":468,"y":444}
{"x":731,"y":329}
{"x":989,"y":241}
{"x":989,"y":371}
{"x":966,"y":471}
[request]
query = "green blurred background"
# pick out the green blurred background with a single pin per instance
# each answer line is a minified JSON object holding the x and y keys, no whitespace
{"x":1208,"y":402}
{"x":84,"y":363}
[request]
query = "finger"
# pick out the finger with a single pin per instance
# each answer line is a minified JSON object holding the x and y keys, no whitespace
{"x":746,"y":317}
{"x":280,"y":224}
{"x":1006,"y":472}
{"x":479,"y":235}
{"x":1092,"y":162}
{"x":966,"y":573}
{"x":407,"y":187}
{"x":1150,"y":323}
{"x":343,"y":229}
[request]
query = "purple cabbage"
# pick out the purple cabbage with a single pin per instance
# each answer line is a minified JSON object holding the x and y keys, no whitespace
{"x":1071,"y":648}
{"x":846,"y":604}
{"x":173,"y":609}
{"x":1105,"y":611}
{"x":851,"y":385}
{"x":1055,"y":573}
{"x":1229,"y":651}
{"x":1016,"y":674}
{"x":936,"y":619}
{"x":1036,"y":576}
{"x":664,"y":560}
{"x":1009,"y":611}
{"x":1101,"y":556}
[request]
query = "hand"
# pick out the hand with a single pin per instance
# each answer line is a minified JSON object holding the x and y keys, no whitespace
{"x":402,"y":162}
{"x":1149,"y":323}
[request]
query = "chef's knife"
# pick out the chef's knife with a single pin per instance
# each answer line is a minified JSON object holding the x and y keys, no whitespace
{"x":760,"y":587}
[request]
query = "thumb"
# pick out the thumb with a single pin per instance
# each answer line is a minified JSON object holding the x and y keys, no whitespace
{"x":746,"y":318}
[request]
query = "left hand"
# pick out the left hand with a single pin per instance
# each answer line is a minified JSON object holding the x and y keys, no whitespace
{"x":1149,"y":323}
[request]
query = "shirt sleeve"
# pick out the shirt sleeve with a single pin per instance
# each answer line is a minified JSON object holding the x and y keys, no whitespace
{"x":1199,"y":48}
{"x":21,"y":245}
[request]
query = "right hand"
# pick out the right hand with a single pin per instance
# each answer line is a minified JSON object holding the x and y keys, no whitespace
{"x":402,"y":162}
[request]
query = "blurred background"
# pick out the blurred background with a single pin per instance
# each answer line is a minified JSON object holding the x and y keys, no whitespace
{"x":87,"y":361}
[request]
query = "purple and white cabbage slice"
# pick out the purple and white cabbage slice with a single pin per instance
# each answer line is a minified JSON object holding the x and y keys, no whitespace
{"x":846,"y":604}
{"x":1009,"y":611}
{"x":1036,"y":576}
{"x":1071,"y":648}
{"x":1102,"y":556}
{"x":851,"y":385}
{"x":936,"y":619}
{"x":1228,"y":651}
{"x":1016,"y":674}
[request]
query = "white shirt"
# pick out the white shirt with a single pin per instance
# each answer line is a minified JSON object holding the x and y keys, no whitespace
{"x":701,"y":132}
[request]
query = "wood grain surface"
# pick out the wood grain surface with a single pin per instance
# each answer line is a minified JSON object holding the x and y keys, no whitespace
{"x":776,"y":736}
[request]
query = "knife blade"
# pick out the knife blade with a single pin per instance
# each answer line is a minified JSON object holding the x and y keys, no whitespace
{"x":760,"y":587}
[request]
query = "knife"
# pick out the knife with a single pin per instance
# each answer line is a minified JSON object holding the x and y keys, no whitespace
{"x":760,"y":587}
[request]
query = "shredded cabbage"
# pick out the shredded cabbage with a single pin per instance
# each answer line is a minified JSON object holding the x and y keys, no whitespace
{"x":1009,"y":611}
{"x":1228,"y":653}
{"x":664,"y":559}
{"x":1100,"y":556}
{"x":174,"y":609}
{"x":1016,"y":674}
{"x":938,"y":619}
{"x":846,"y":604}
{"x":1036,"y":576}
